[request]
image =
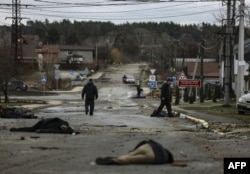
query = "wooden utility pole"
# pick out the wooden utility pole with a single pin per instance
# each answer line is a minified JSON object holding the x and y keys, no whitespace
{"x":241,"y":61}
{"x":227,"y":57}
{"x":201,"y":69}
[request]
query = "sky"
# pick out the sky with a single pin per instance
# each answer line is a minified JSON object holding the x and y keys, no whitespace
{"x":118,"y":11}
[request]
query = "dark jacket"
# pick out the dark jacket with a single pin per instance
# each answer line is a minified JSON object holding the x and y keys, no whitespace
{"x":90,"y":91}
{"x":162,"y":155}
{"x":49,"y":125}
{"x":166,"y":92}
{"x":15,"y":113}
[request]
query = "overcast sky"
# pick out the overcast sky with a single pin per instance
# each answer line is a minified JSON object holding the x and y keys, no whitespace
{"x":118,"y":12}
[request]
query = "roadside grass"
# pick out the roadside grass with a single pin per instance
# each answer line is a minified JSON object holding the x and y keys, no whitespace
{"x":218,"y":109}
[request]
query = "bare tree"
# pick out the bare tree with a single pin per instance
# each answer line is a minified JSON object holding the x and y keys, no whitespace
{"x":247,"y":15}
{"x":140,"y":35}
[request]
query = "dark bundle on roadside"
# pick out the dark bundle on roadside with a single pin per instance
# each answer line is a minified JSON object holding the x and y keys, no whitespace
{"x":16,"y":113}
{"x":49,"y":125}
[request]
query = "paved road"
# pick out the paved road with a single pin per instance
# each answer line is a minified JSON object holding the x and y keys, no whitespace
{"x":118,"y":124}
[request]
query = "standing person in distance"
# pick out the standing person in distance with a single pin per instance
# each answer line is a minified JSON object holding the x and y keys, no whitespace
{"x":139,"y":90}
{"x":90,"y":93}
{"x":166,"y":99}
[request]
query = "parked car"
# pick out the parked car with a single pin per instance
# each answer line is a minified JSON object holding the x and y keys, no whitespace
{"x":81,"y":77}
{"x":128,"y":79}
{"x":243,"y":104}
{"x":17,"y":85}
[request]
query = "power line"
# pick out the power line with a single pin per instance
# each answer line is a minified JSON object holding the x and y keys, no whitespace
{"x":142,"y":12}
{"x":128,"y":11}
{"x":146,"y":9}
{"x":124,"y":18}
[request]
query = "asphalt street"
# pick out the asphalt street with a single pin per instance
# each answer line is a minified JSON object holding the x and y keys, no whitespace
{"x":120,"y":121}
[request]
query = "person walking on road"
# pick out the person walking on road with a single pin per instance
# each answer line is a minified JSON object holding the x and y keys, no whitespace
{"x":166,"y":99}
{"x":90,"y":93}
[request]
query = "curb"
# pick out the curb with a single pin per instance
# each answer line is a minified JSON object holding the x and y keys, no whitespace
{"x":196,"y":120}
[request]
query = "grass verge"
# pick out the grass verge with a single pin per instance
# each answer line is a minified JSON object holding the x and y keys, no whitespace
{"x":219,"y":110}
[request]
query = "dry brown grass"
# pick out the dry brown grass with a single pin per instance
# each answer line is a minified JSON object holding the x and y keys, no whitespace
{"x":218,"y":109}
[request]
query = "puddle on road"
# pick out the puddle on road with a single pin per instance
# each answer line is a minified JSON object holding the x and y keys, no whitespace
{"x":130,"y":105}
{"x":63,"y":109}
{"x":75,"y":102}
{"x":54,"y":109}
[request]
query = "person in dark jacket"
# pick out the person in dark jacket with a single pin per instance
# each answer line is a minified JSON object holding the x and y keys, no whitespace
{"x":139,"y":90}
{"x":146,"y":152}
{"x":166,"y":99}
{"x":90,"y":93}
{"x":49,"y":125}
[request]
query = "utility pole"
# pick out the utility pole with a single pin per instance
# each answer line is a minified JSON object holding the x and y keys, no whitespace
{"x":241,"y":61}
{"x":16,"y":39}
{"x":201,"y":69}
{"x":227,"y":58}
{"x":16,"y":29}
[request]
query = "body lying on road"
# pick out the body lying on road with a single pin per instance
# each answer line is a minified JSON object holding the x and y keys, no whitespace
{"x":146,"y":152}
{"x":16,"y":113}
{"x":49,"y":125}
